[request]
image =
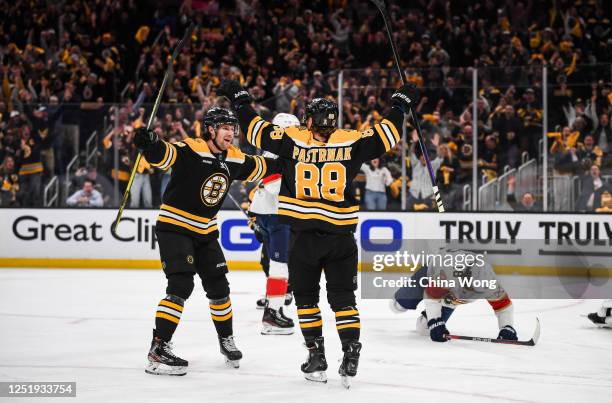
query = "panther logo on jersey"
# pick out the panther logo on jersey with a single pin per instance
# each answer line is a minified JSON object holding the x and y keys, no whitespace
{"x":213,"y":189}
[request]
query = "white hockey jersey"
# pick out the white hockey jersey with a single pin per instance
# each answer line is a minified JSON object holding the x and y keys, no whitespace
{"x":448,"y":286}
{"x":265,"y":198}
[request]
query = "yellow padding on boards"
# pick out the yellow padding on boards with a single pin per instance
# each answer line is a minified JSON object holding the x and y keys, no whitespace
{"x":308,"y":311}
{"x":222,"y":318}
{"x":355,"y":325}
{"x":167,"y":317}
{"x":318,"y":323}
{"x":220,"y":306}
{"x":115,"y":264}
{"x":347,"y":313}
{"x":171,"y":305}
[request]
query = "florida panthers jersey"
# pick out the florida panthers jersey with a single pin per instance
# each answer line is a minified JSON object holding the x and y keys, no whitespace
{"x":450,"y":286}
{"x":199,"y":183}
{"x":316,"y":176}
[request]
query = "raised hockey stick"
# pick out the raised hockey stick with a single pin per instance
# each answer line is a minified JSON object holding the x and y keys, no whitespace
{"x":532,"y":342}
{"x":160,"y":94}
{"x":256,"y":226}
{"x":380,"y":4}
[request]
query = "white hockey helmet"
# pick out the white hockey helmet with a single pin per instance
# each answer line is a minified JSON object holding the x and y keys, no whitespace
{"x":285,"y":120}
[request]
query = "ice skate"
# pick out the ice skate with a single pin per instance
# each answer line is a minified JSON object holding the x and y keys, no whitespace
{"x":421,"y":324}
{"x":230,"y":352}
{"x":162,"y":360}
{"x":262,"y":303}
{"x":316,"y":364}
{"x":275,"y":322}
{"x":350,"y":361}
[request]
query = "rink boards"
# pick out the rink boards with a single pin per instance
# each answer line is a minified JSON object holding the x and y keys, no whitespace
{"x":82,"y":238}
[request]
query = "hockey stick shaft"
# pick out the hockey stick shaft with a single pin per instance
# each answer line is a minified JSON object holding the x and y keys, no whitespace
{"x":380,"y":4}
{"x":256,"y":226}
{"x":160,"y":94}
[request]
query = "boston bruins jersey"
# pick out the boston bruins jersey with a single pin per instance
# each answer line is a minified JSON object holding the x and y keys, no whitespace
{"x":199,"y":183}
{"x":316,"y":176}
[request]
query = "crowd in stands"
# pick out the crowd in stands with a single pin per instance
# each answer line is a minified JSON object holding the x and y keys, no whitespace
{"x":64,"y":64}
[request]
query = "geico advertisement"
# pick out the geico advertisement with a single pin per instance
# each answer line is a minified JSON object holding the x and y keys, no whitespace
{"x":86,"y":233}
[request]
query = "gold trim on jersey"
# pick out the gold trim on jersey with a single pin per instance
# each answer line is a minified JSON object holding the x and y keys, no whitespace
{"x":235,"y":155}
{"x":194,"y":223}
{"x":255,"y":130}
{"x":168,"y":159}
{"x":314,"y":216}
{"x":387,"y":133}
{"x":300,"y":135}
{"x":260,"y":169}
{"x":307,"y":203}
{"x":339,"y":138}
{"x":185,"y":214}
{"x":198,"y":145}
{"x":187,"y":226}
{"x":313,"y":210}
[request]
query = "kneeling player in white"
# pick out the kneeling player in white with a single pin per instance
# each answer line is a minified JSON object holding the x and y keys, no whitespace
{"x":603,"y":317}
{"x":276,"y":242}
{"x":440,"y":302}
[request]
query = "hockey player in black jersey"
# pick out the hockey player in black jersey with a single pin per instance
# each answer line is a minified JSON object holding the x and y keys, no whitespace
{"x":202,"y":171}
{"x":318,"y":163}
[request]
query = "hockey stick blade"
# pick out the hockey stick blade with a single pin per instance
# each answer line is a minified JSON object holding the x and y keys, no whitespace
{"x":532,"y":342}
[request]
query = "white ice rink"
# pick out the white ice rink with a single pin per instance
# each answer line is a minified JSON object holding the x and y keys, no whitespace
{"x":94,"y":327}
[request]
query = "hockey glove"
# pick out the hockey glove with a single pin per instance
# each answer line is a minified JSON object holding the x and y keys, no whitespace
{"x":143,"y":138}
{"x":507,"y":333}
{"x":437,"y":330}
{"x":405,"y":97}
{"x":253,"y":225}
{"x":237,"y":95}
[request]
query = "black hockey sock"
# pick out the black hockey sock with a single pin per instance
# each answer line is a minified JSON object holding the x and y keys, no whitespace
{"x":168,"y":316}
{"x":311,"y":323}
{"x":221,"y":313}
{"x":348,"y":325}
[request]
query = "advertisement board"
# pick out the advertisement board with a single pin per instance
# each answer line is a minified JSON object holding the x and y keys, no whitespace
{"x":82,"y":238}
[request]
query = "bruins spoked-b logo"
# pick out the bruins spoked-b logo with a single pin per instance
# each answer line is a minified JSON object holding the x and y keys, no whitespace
{"x":213,"y":189}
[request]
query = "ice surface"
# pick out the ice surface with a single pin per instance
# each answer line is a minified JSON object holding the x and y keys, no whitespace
{"x":94,"y":327}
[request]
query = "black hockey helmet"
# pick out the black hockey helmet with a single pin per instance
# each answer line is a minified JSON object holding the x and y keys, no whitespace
{"x":215,"y":117}
{"x":324,"y":114}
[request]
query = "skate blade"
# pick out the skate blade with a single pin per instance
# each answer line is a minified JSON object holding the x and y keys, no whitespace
{"x":346,"y":381}
{"x":232,"y":364}
{"x":271,"y":330}
{"x":156,"y":368}
{"x":317,"y":376}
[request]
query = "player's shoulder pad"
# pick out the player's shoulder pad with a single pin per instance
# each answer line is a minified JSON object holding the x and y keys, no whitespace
{"x":344,"y":137}
{"x":235,"y":155}
{"x":197,"y":145}
{"x":299,"y":133}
